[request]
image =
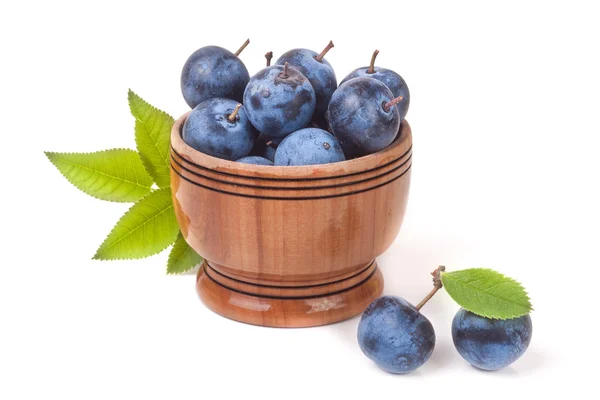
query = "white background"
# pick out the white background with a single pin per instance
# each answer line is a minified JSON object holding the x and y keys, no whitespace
{"x":505,"y":113}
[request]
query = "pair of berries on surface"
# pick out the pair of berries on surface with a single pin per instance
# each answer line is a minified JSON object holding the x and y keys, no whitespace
{"x":399,"y":338}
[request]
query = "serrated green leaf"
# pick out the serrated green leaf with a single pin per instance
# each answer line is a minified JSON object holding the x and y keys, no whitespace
{"x":152,"y":137}
{"x":147,"y":228}
{"x":487,"y":293}
{"x":182,"y":257}
{"x":113,"y":175}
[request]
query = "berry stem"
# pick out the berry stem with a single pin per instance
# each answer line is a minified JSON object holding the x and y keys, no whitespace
{"x":246,"y":43}
{"x":437,"y":285}
{"x":371,"y":69}
{"x":319,"y":58}
{"x":387,"y":106}
{"x":234,"y":113}
{"x":269,"y":56}
{"x":285,"y":74}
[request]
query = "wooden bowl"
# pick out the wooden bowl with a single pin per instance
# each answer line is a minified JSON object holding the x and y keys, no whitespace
{"x":290,"y":246}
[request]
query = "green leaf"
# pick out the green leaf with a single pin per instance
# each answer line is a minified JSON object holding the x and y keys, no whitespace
{"x":113,"y":175}
{"x":487,"y":293}
{"x":182,"y":257}
{"x":152,"y":137}
{"x":147,"y":228}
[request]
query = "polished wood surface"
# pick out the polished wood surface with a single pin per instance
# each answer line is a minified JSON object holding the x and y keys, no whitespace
{"x":291,"y":311}
{"x":279,"y":241}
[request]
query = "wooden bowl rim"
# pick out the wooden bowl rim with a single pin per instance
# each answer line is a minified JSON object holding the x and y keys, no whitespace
{"x":400,"y":147}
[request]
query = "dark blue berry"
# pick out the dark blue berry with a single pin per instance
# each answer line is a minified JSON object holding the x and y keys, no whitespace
{"x":213,"y":72}
{"x":255,"y":160}
{"x":395,"y":335}
{"x":390,"y":78}
{"x":317,"y":70}
{"x":309,"y":146}
{"x":490,"y":344}
{"x":212,"y":129}
{"x":359,"y":118}
{"x":279,"y":100}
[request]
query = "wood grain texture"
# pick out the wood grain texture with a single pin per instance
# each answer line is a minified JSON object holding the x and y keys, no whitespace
{"x":289,"y":311}
{"x":287,"y":237}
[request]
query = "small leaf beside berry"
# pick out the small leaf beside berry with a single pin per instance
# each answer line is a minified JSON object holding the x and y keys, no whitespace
{"x":182,"y":257}
{"x":147,"y":228}
{"x":152,"y":137}
{"x":112,"y":175}
{"x":125,"y":175}
{"x":487,"y":293}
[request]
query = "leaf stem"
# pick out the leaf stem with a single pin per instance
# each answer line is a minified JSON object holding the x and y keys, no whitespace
{"x":371,"y":69}
{"x":319,"y":58}
{"x":269,"y":56}
{"x":387,"y":106}
{"x":234,"y":114}
{"x":437,"y":285}
{"x":246,"y":43}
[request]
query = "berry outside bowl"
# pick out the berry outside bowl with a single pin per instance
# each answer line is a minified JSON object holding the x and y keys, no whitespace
{"x":290,"y":246}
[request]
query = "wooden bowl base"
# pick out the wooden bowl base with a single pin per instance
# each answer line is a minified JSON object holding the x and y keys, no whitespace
{"x":289,"y":306}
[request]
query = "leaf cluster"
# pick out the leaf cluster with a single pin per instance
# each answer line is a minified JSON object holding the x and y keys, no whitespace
{"x":141,"y":176}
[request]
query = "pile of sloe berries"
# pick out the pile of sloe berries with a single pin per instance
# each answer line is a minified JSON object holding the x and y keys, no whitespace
{"x":289,"y":113}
